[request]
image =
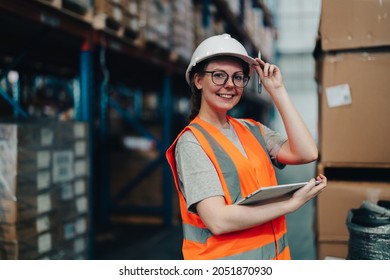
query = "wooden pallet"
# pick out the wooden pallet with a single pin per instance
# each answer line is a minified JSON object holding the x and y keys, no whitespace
{"x":104,"y":22}
{"x":108,"y":24}
{"x":354,"y":171}
{"x":129,"y":34}
{"x":156,"y":49}
{"x":71,"y":8}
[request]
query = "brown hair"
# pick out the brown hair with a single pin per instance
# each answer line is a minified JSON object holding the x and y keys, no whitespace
{"x":196,"y":94}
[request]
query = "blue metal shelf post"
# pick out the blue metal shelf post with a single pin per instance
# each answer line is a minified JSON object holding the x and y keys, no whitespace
{"x":167,"y":132}
{"x":85,"y":113}
{"x":105,"y":197}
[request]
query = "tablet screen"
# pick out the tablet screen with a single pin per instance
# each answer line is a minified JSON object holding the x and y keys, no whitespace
{"x":271,"y":194}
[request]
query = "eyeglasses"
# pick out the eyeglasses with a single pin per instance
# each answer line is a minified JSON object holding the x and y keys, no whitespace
{"x":220,"y":78}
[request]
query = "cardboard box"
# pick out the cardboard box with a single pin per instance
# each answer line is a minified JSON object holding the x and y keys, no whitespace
{"x":350,"y":24}
{"x":354,"y":107}
{"x":332,"y":250}
{"x":34,"y":247}
{"x":43,"y":186}
{"x":8,"y":210}
{"x":338,"y":199}
{"x":8,"y":250}
{"x":111,"y":9}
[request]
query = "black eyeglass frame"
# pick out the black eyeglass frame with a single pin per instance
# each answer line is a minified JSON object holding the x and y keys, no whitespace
{"x":227,"y":78}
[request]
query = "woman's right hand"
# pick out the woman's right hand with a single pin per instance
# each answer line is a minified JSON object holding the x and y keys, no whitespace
{"x":308,"y":192}
{"x":270,"y":75}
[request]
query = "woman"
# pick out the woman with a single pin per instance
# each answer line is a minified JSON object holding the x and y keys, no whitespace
{"x":217,"y":160}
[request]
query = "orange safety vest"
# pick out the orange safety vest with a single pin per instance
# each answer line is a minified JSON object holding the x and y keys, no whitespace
{"x":239,"y":176}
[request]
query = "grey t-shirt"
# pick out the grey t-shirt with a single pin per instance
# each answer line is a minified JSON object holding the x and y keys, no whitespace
{"x":198,"y":178}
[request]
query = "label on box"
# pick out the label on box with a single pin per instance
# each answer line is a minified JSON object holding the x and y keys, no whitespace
{"x":67,"y":191}
{"x":81,"y":225}
{"x":43,"y":203}
{"x":79,"y":130}
{"x":117,"y":13}
{"x":43,"y":179}
{"x":43,"y":159}
{"x":80,"y":167}
{"x":339,"y":95}
{"x":80,"y":148}
{"x":69,"y":231}
{"x":7,"y":156}
{"x":7,"y":168}
{"x":47,"y":136}
{"x":79,"y":187}
{"x":62,"y":166}
{"x":133,"y":8}
{"x":79,"y":245}
{"x":43,"y":224}
{"x":44,"y":243}
{"x":82,"y":204}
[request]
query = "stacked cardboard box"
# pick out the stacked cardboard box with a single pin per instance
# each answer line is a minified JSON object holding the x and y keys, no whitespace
{"x":353,"y":59}
{"x":131,"y":19}
{"x":333,"y":206}
{"x":156,"y":17}
{"x":109,"y":14}
{"x":81,"y":9}
{"x":262,"y":35}
{"x":183,"y":29}
{"x":43,"y":190}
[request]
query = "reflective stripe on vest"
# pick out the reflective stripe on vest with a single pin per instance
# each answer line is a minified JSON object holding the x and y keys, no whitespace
{"x":226,"y":164}
{"x":266,"y":252}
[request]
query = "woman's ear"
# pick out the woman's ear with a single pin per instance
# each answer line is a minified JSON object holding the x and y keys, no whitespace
{"x":198,"y":81}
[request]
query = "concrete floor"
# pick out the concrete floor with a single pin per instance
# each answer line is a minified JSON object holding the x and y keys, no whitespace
{"x":139,"y":242}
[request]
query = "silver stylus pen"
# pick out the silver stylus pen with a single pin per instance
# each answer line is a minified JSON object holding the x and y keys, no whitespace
{"x":260,"y":86}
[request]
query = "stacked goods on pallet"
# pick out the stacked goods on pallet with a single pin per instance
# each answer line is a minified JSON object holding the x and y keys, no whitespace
{"x":156,"y":17}
{"x":209,"y":26}
{"x":43,"y":190}
{"x":78,"y":8}
{"x":183,"y":29}
{"x":354,"y":106}
{"x":108,"y":15}
{"x":354,"y":24}
{"x":119,"y":17}
{"x":333,"y":206}
{"x":200,"y":33}
{"x":262,"y":35}
{"x":131,"y":21}
{"x":245,"y":15}
{"x":352,"y":62}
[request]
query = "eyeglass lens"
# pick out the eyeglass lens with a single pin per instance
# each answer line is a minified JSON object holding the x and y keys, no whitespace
{"x":221,"y":77}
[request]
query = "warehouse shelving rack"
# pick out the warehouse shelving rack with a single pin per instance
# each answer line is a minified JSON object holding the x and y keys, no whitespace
{"x":41,"y":38}
{"x":167,"y":69}
{"x":235,"y":23}
{"x":170,"y":69}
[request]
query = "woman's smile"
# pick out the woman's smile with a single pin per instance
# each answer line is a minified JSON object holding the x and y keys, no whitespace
{"x":225,"y":95}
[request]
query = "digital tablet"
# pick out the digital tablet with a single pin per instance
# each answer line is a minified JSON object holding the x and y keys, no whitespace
{"x":272,"y":194}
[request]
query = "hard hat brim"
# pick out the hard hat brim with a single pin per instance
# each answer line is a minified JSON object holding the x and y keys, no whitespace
{"x":251,"y":61}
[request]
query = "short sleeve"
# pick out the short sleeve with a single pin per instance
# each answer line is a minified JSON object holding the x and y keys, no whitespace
{"x":198,"y":178}
{"x":274,"y":141}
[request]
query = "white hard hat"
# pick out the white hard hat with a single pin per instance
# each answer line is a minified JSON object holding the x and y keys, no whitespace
{"x":215,"y":46}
